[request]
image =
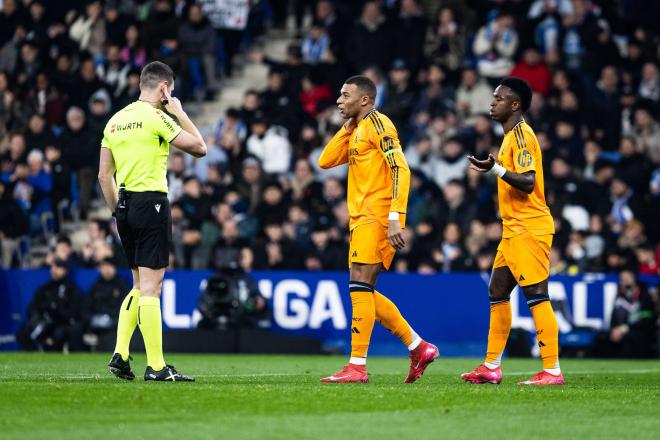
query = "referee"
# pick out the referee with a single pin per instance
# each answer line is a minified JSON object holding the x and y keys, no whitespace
{"x":132,"y":173}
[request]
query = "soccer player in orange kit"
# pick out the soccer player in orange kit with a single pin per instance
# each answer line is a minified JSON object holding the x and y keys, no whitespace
{"x":377,"y":196}
{"x":523,"y":256}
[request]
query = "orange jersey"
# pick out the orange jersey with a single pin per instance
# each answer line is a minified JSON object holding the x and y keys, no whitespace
{"x":378,"y":174}
{"x":522,"y":212}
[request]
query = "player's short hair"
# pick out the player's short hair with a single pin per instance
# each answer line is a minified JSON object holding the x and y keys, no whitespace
{"x":364,"y":85}
{"x":154,"y":73}
{"x":521,"y":88}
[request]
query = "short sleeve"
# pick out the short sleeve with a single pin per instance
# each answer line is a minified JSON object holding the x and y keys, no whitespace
{"x":524,"y":155}
{"x":104,"y":141}
{"x":165,"y":126}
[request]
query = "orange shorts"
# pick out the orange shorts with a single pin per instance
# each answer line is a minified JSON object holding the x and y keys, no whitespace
{"x":369,"y":245}
{"x":527,"y":256}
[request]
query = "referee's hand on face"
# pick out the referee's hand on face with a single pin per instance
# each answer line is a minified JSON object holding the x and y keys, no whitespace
{"x":173,"y":104}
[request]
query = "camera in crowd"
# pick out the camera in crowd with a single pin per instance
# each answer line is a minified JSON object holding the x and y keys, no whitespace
{"x":230,"y":298}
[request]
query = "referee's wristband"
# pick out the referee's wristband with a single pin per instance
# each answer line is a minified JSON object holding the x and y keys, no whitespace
{"x":497,"y":170}
{"x":393,"y":216}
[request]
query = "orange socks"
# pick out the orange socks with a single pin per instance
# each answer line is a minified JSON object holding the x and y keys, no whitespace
{"x":389,"y":316}
{"x":547,"y":333}
{"x":498,"y":333}
{"x":364,"y":316}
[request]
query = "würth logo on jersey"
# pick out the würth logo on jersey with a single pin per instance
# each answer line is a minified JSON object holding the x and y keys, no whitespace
{"x":127,"y":126}
{"x":157,"y":206}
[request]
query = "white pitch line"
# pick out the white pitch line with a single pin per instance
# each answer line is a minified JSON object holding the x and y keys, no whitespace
{"x":637,"y":371}
{"x":512,"y":373}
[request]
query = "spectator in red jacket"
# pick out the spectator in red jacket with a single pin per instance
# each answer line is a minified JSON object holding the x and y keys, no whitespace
{"x":314,"y":90}
{"x":533,"y":69}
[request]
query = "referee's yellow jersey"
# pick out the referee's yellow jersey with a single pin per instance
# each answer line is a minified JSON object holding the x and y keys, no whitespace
{"x":139,"y":137}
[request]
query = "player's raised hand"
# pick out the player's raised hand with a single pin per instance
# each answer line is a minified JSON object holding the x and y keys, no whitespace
{"x":395,"y":235}
{"x":481,"y":165}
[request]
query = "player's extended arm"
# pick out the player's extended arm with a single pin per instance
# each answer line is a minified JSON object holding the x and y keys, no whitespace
{"x":336,"y":151}
{"x":522,"y":181}
{"x":107,"y":178}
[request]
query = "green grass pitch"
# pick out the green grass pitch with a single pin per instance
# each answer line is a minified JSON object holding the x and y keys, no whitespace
{"x":52,"y":396}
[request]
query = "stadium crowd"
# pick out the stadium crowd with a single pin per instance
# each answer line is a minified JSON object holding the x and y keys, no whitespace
{"x":259,"y":194}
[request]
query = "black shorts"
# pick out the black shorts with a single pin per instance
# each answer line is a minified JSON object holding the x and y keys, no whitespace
{"x":145,"y":229}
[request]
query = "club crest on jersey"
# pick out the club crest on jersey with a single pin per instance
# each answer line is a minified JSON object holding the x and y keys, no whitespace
{"x":524,"y":158}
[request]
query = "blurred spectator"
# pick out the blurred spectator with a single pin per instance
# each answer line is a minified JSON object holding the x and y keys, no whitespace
{"x":54,"y":315}
{"x":533,"y":70}
{"x":449,"y":44}
{"x":195,"y":207}
{"x":160,"y":27}
{"x":314,"y":91}
{"x":113,"y":71}
{"x":494,"y":45}
{"x":272,"y":208}
{"x":40,"y":183}
{"x":451,"y":164}
{"x":334,"y":24}
{"x":577,"y":35}
{"x":89,"y":29}
{"x":81,"y":153}
{"x":38,"y":134}
{"x":270,"y":145}
{"x":116,"y":22}
{"x":410,"y":35}
{"x":420,"y":155}
{"x":457,"y":209}
{"x":605,"y":112}
{"x":229,"y":21}
{"x":400,"y":99}
{"x":275,"y":251}
{"x":104,"y":299}
{"x":474,"y":95}
{"x":632,"y":326}
{"x":316,"y":44}
{"x":227,"y":248}
{"x":197,"y":43}
{"x":133,"y":52}
{"x":324,"y":252}
{"x":435,"y":99}
{"x":277,"y":102}
{"x":625,"y":204}
{"x":304,"y":187}
{"x":231,"y":124}
{"x":131,"y":92}
{"x":649,"y":86}
{"x":370,"y":40}
{"x":13,"y":224}
{"x":646,"y":132}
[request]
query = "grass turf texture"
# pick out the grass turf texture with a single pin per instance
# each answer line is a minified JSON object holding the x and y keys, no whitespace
{"x":279,"y":397}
